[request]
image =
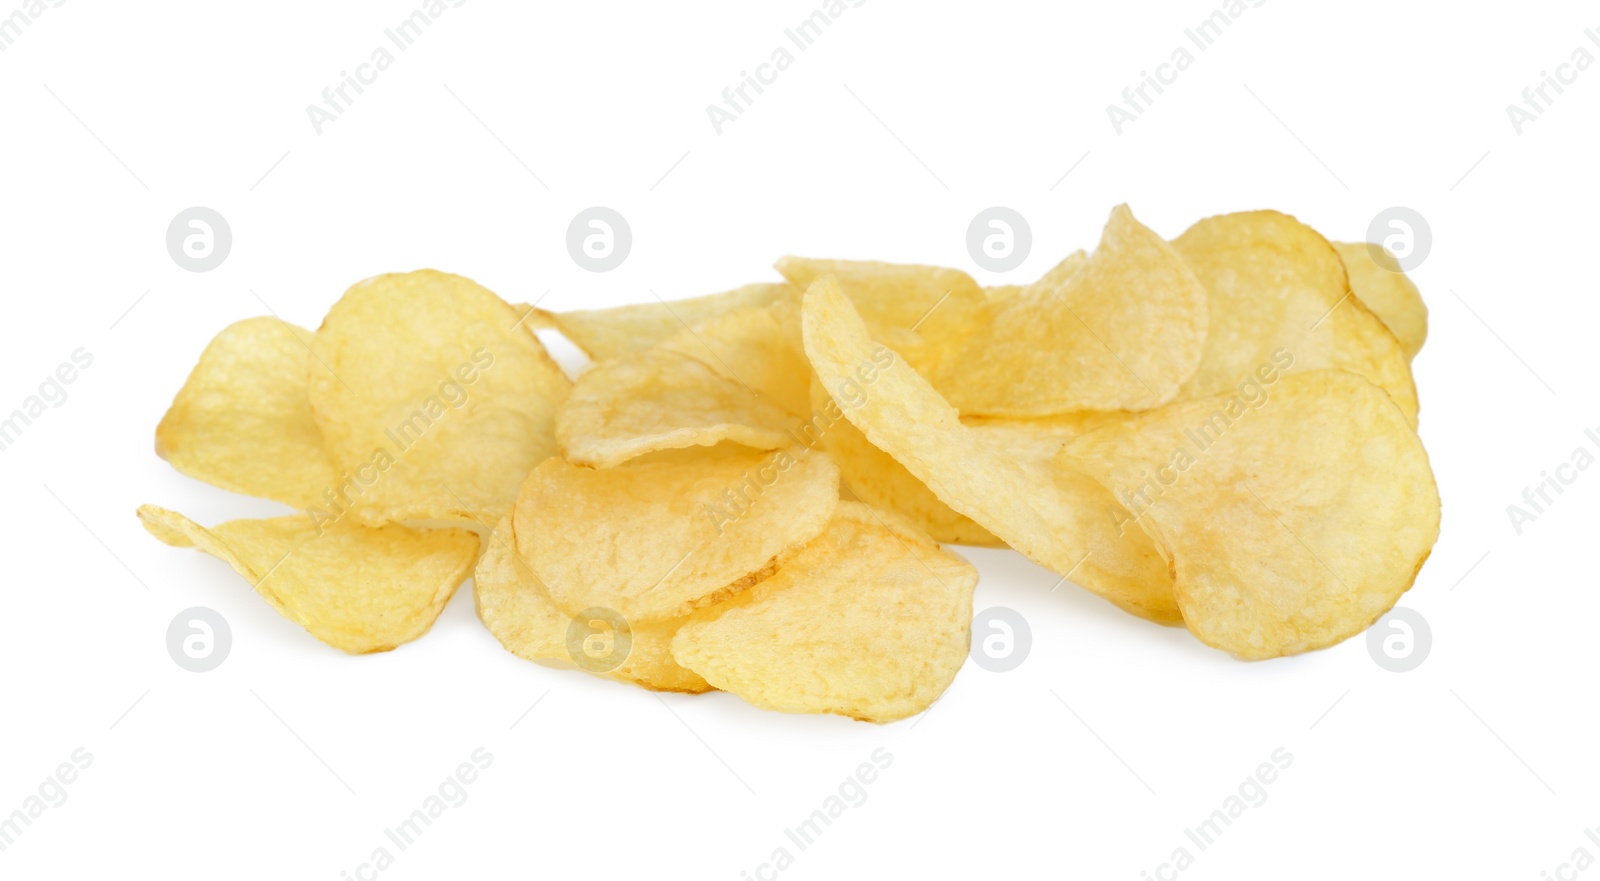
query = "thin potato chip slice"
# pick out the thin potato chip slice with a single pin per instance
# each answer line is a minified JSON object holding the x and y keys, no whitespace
{"x":1121,"y":332}
{"x":242,"y":420}
{"x":663,"y":535}
{"x":869,"y":620}
{"x":1378,"y":281}
{"x":355,"y":588}
{"x":1277,"y":287}
{"x":610,"y":333}
{"x":435,"y":399}
{"x":1050,"y":515}
{"x":1295,"y":525}
{"x":517,"y":610}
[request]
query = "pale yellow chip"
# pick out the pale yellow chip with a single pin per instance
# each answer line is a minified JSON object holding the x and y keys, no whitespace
{"x":435,"y":399}
{"x":874,"y":477}
{"x":1123,"y":331}
{"x":1280,"y":302}
{"x":662,"y":535}
{"x":609,"y":333}
{"x":1048,"y":514}
{"x":869,"y":620}
{"x":1380,"y":283}
{"x":355,"y":588}
{"x":739,"y":376}
{"x":242,"y":420}
{"x":922,"y":312}
{"x":515,"y":607}
{"x":1289,"y":526}
{"x":1059,"y":273}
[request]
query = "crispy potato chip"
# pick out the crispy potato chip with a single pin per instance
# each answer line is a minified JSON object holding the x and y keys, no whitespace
{"x":515,"y":607}
{"x":1289,"y":527}
{"x":609,"y":333}
{"x":1280,"y":298}
{"x":353,"y":587}
{"x":738,"y":376}
{"x":1058,"y":274}
{"x":434,"y":397}
{"x":1122,"y":332}
{"x":663,"y":535}
{"x":1050,"y":515}
{"x":874,"y":477}
{"x":869,"y":620}
{"x":1380,"y":283}
{"x":922,"y":312}
{"x":242,"y":421}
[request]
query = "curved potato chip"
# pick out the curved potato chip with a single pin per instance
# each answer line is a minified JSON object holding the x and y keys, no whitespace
{"x":434,"y":397}
{"x":1059,"y":273}
{"x":869,"y":620}
{"x":1380,"y":283}
{"x":660,"y":536}
{"x":757,"y":347}
{"x":1049,"y":514}
{"x":874,"y":477}
{"x":1279,"y":290}
{"x":242,"y":420}
{"x":1296,"y":526}
{"x":1122,"y":332}
{"x":357,"y":589}
{"x":922,"y":312}
{"x":516,"y":609}
{"x":609,"y":333}
{"x":659,"y":399}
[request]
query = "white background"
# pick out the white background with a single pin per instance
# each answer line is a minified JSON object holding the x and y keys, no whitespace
{"x":882,"y":141}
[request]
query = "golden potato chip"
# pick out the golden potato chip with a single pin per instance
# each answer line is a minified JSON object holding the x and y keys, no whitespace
{"x":1123,"y":331}
{"x":922,"y":312}
{"x":1058,"y":274}
{"x":874,"y":477}
{"x":662,"y":535}
{"x":434,"y":398}
{"x":355,"y":588}
{"x":514,"y":606}
{"x":1047,"y":514}
{"x":1280,"y":299}
{"x":869,"y":620}
{"x":1290,"y":526}
{"x":757,"y":347}
{"x":1380,"y":283}
{"x":608,"y":333}
{"x":242,"y":421}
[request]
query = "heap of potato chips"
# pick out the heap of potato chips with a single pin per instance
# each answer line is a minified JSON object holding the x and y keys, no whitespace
{"x":747,"y":491}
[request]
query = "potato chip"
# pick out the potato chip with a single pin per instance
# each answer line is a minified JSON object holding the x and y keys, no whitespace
{"x":922,"y":312}
{"x":665,"y":534}
{"x":1280,"y":299}
{"x":869,"y":620}
{"x":515,"y":607}
{"x":874,"y":477}
{"x":1289,"y":527}
{"x":434,"y":397}
{"x":1058,"y":274}
{"x":242,"y":421}
{"x":1380,"y":283}
{"x":355,"y":588}
{"x":609,"y":333}
{"x":1050,"y":515}
{"x":1121,"y":332}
